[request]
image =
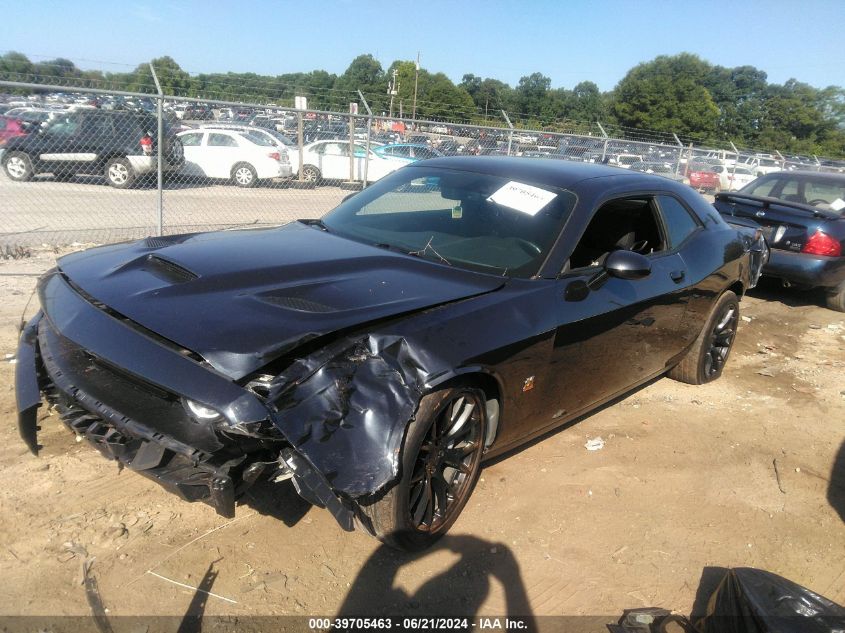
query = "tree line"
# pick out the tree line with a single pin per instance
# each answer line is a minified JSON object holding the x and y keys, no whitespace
{"x":680,"y":94}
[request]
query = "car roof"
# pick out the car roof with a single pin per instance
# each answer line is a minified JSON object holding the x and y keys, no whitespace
{"x":808,"y":175}
{"x":557,"y":173}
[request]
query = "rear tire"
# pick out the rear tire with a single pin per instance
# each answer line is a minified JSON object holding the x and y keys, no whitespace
{"x":311,"y":174}
{"x":18,"y":166}
{"x":119,"y":173}
{"x":244,"y":175}
{"x":449,"y":428}
{"x":707,"y":357}
{"x":836,"y":298}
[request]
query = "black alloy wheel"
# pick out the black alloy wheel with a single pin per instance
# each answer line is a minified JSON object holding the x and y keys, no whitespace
{"x":447,"y":458}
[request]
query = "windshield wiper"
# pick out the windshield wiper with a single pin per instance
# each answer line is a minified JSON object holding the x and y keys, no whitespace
{"x":318,"y":223}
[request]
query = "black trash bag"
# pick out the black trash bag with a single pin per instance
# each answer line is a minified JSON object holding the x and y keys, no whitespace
{"x":756,"y":601}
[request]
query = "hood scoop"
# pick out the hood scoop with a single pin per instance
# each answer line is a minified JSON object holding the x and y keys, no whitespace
{"x":169,"y":271}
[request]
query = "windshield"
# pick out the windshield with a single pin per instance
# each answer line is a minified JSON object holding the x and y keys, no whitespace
{"x":464,"y":219}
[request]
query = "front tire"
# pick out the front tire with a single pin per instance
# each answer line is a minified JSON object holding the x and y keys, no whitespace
{"x":244,"y":175}
{"x":706,"y":359}
{"x":441,"y":460}
{"x":18,"y":166}
{"x":119,"y":173}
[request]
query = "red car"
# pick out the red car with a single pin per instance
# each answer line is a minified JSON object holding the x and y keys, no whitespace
{"x":10,"y":127}
{"x":704,"y":180}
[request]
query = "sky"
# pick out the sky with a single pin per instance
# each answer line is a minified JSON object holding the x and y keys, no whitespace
{"x":567,"y":40}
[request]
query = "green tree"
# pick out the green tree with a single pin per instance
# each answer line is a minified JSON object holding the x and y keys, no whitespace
{"x":668,"y":95}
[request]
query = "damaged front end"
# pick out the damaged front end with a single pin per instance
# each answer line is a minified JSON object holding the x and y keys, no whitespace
{"x":332,"y":421}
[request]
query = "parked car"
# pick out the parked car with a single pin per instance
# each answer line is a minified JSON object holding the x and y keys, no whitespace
{"x":282,"y":142}
{"x":197,"y":112}
{"x":801,"y":214}
{"x":732,"y":178}
{"x":329,"y":160}
{"x":703,"y":178}
{"x":121,"y":146}
{"x":10,"y":128}
{"x":243,"y":158}
{"x":456,"y":309}
{"x":408,"y":152}
{"x":625,"y":161}
{"x":656,"y":167}
{"x":763,"y":164}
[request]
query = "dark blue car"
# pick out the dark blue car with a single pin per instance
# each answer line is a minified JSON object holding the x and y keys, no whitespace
{"x":801,"y":214}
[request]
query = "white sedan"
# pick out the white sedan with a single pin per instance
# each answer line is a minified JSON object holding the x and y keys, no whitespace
{"x":733,"y":178}
{"x":329,"y":160}
{"x":242,"y":157}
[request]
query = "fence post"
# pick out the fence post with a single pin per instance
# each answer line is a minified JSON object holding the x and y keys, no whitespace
{"x":604,"y":147}
{"x":369,"y":131}
{"x":159,"y":146}
{"x":510,"y":134}
{"x":733,"y":172}
{"x":680,"y":153}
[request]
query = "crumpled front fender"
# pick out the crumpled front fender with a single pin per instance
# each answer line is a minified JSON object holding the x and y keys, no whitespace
{"x":346,"y":409}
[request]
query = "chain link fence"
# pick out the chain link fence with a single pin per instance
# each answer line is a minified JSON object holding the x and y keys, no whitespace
{"x":95,"y":166}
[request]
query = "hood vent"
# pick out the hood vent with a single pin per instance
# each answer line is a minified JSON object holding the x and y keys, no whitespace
{"x":164,"y":241}
{"x":300,"y":304}
{"x":169,"y":271}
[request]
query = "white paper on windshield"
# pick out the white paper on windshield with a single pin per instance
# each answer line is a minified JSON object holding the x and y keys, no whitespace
{"x":522,"y":197}
{"x":838,"y":204}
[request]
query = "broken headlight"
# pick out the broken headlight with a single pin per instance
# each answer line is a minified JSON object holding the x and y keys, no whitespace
{"x":200,"y":412}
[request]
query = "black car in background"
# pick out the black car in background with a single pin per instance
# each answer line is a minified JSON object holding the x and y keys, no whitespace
{"x":198,"y":112}
{"x":801,"y":214}
{"x":446,"y":314}
{"x":121,"y":146}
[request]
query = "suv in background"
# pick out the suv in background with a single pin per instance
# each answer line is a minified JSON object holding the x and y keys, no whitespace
{"x":121,"y":146}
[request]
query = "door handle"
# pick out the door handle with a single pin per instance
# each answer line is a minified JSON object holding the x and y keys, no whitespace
{"x":677,"y":275}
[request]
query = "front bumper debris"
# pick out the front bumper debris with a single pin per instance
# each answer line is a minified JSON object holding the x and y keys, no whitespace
{"x":72,"y":380}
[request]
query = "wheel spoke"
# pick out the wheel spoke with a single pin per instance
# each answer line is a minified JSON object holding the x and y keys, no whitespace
{"x":725,"y":319}
{"x":454,"y":458}
{"x":458,"y":424}
{"x":423,"y":502}
{"x":428,"y":518}
{"x":439,"y":485}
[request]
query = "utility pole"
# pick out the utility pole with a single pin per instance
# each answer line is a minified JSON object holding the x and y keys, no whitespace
{"x":416,"y":81}
{"x":392,"y":90}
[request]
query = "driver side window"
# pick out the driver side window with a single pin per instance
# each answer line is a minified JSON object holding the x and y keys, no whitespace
{"x":623,"y":224}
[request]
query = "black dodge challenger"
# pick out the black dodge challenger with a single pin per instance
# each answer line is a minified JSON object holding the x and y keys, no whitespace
{"x":450,"y":312}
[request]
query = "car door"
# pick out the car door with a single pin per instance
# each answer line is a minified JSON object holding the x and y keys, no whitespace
{"x":334,"y":160}
{"x":61,"y":146}
{"x":222,"y":151}
{"x":615,"y":333}
{"x":194,"y":152}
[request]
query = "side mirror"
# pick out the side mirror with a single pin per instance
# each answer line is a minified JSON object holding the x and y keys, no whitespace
{"x":627,"y":265}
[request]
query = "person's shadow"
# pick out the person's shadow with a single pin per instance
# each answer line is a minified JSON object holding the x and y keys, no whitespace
{"x":459,"y":590}
{"x":836,"y":487}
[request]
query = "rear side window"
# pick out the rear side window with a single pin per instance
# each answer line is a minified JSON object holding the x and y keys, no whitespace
{"x":221,"y":140}
{"x":191,"y":140}
{"x":678,"y":221}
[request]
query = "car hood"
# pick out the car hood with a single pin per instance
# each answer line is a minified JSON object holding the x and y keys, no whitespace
{"x":241,"y":299}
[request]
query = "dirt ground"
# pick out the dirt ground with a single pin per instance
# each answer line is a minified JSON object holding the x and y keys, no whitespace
{"x":735,"y":473}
